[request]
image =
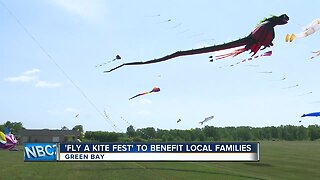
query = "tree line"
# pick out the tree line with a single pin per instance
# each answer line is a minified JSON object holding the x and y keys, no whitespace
{"x":208,"y":133}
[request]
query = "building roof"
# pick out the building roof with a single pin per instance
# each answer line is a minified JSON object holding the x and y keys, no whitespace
{"x":47,"y":132}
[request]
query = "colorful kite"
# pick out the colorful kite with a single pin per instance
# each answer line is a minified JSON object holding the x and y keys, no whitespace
{"x":310,"y":29}
{"x":314,"y":114}
{"x":316,"y":53}
{"x":261,"y":36}
{"x":206,"y":119}
{"x":7,"y":140}
{"x":155,"y":89}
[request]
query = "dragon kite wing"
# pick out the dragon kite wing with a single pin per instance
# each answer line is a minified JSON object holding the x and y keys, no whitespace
{"x":155,"y":89}
{"x":262,"y":35}
{"x":310,"y":29}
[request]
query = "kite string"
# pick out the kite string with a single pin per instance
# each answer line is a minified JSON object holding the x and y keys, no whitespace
{"x":58,"y":66}
{"x":126,"y":121}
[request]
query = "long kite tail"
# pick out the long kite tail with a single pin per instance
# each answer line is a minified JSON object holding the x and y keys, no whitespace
{"x":139,"y":95}
{"x":232,"y":44}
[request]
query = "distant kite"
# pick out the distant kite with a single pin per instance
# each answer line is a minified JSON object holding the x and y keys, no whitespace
{"x":76,"y":116}
{"x":155,"y":15}
{"x":306,"y":93}
{"x":310,"y":29}
{"x":316,"y":53}
{"x":118,"y":57}
{"x":206,"y":119}
{"x":155,"y":89}
{"x":178,"y":120}
{"x":169,"y":20}
{"x":260,"y":38}
{"x":314,"y":114}
{"x":289,"y":87}
{"x":266,"y":72}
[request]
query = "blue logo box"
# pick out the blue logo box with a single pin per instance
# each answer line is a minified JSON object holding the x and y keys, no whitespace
{"x":40,"y":152}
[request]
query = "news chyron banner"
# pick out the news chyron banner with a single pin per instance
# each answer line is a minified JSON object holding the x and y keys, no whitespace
{"x":217,"y":151}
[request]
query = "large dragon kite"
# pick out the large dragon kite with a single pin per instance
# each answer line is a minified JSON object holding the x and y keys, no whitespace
{"x":262,"y":35}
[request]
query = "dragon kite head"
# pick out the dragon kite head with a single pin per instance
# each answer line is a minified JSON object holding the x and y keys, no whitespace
{"x":277,"y":20}
{"x":283,"y":19}
{"x":155,"y":89}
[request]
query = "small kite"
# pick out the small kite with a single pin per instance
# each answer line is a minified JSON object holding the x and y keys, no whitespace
{"x":306,"y":93}
{"x":76,"y":116}
{"x":178,"y":120}
{"x":169,"y":20}
{"x":206,"y":119}
{"x":266,"y":72}
{"x":175,"y":26}
{"x":118,"y":57}
{"x":155,"y":15}
{"x":314,"y":114}
{"x":155,"y":89}
{"x":316,"y":53}
{"x":260,"y":38}
{"x":310,"y":29}
{"x":289,"y":87}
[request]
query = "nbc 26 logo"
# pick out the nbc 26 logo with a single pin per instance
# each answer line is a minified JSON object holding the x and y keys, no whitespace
{"x":40,"y":152}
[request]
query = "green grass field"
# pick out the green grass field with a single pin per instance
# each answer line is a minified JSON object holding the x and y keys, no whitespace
{"x":279,"y":160}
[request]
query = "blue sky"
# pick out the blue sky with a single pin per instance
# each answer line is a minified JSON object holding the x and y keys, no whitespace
{"x":78,"y":35}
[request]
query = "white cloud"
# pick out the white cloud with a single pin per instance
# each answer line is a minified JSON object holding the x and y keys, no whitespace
{"x":45,"y":84}
{"x":32,"y":76}
{"x":32,"y":72}
{"x":27,"y":76}
{"x":21,"y":78}
{"x":84,"y":8}
{"x":72,"y":110}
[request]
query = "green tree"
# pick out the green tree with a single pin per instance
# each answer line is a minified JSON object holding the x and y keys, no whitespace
{"x":130,"y":131}
{"x":314,"y":132}
{"x":14,"y":127}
